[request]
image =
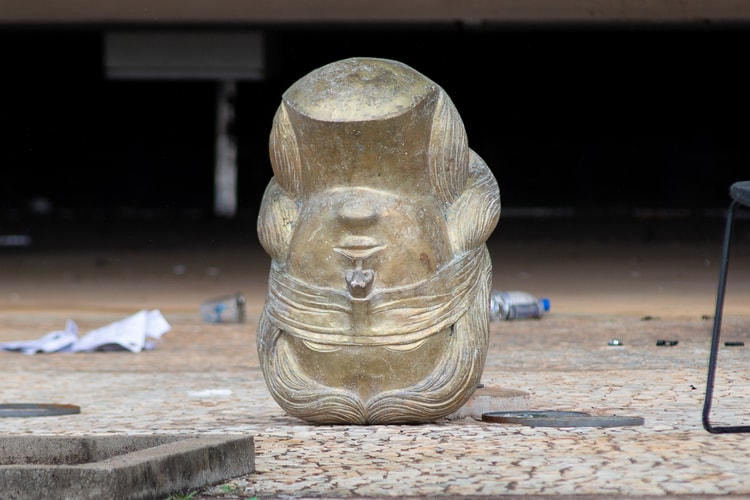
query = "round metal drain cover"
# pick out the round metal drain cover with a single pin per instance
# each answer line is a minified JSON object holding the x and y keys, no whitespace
{"x":559,"y":419}
{"x":37,"y":410}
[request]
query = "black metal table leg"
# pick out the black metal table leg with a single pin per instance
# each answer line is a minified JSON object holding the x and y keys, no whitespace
{"x":740,"y":192}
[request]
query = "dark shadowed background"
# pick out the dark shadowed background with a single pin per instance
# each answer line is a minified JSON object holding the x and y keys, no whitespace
{"x":572,"y":119}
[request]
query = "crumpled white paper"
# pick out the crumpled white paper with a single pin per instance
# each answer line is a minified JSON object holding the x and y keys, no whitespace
{"x":134,"y":333}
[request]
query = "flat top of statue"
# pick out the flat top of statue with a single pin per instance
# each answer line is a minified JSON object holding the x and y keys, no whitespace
{"x":376,"y":221}
{"x":359,"y":89}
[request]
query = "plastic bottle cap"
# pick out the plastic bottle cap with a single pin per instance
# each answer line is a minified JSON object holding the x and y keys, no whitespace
{"x":545,"y":303}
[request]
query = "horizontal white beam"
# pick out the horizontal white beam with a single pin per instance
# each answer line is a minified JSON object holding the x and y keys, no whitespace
{"x":184,"y":55}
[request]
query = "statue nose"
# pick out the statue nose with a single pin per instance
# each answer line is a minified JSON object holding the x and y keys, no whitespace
{"x":356,"y":213}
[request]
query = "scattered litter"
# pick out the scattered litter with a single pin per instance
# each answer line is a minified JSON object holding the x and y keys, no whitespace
{"x":514,"y":304}
{"x":615,"y":342}
{"x":15,"y":240}
{"x":209,"y":393}
{"x":230,"y":309}
{"x":134,"y":333}
{"x":734,"y":344}
{"x":37,"y":409}
{"x":667,"y":342}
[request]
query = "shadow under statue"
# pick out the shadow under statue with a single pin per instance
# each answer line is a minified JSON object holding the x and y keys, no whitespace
{"x":376,"y":221}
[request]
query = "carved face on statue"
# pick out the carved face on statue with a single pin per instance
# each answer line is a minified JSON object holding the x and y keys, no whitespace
{"x":401,"y":239}
{"x":376,"y":218}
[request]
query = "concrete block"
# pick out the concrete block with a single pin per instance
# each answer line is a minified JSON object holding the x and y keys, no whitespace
{"x":122,"y":467}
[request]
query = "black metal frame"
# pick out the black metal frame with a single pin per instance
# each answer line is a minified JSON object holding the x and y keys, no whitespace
{"x":740,"y":193}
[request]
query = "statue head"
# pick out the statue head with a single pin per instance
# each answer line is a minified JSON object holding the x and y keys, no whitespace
{"x":376,"y":221}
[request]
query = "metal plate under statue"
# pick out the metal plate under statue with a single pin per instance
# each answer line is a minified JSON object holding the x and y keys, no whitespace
{"x":376,"y":221}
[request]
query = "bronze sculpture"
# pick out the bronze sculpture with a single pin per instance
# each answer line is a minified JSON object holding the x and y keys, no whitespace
{"x":376,"y":221}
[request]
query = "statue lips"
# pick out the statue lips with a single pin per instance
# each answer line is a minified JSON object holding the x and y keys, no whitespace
{"x":358,"y":248}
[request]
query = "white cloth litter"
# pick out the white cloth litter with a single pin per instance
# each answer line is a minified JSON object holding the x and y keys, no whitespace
{"x":135,"y":333}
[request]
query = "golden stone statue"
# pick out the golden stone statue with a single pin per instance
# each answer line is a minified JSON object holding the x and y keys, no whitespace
{"x":376,"y":221}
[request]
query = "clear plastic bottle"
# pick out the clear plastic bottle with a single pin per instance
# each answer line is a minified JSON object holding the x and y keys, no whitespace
{"x":514,"y":304}
{"x":230,"y":309}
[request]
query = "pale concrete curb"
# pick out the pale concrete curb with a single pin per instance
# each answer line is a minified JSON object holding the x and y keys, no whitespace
{"x":122,"y":467}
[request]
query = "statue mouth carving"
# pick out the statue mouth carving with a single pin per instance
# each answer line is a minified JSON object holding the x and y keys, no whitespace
{"x":359,"y":247}
{"x":327,"y":348}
